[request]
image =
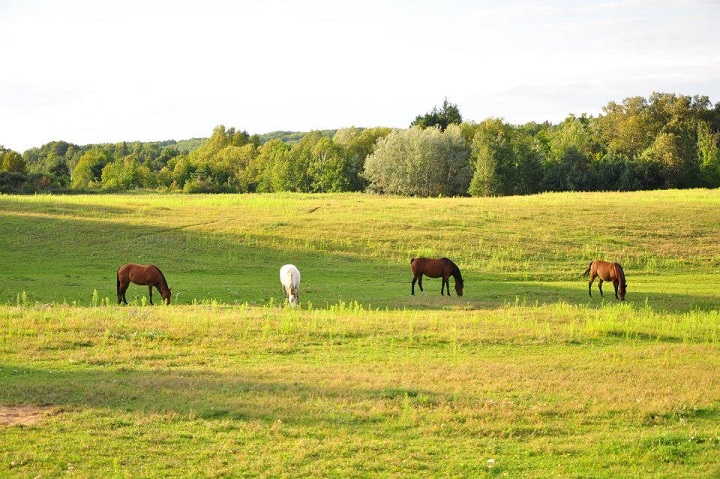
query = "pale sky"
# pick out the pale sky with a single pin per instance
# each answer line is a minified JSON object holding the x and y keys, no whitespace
{"x":88,"y":71}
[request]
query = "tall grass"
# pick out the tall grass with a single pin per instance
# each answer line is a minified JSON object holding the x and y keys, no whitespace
{"x":347,"y":390}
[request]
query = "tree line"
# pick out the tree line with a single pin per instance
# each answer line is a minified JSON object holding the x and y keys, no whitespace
{"x":664,"y":141}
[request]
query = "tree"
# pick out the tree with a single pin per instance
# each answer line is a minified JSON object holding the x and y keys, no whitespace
{"x":506,"y":159}
{"x":88,"y":171}
{"x":572,"y":133}
{"x":58,"y":167}
{"x":666,"y":151}
{"x":259,"y":173}
{"x":420,"y":162}
{"x":626,"y":129}
{"x":11,"y":161}
{"x":448,"y":115}
{"x":278,"y":176}
{"x":492,"y":155}
{"x":329,"y":167}
{"x":126,"y":174}
{"x":709,"y":152}
{"x":358,"y":144}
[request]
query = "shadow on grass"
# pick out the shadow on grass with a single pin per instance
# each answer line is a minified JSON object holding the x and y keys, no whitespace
{"x":493,"y":291}
{"x":205,"y":394}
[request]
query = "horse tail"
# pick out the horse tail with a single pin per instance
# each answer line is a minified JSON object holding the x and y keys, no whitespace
{"x":117,"y":283}
{"x":587,"y":271}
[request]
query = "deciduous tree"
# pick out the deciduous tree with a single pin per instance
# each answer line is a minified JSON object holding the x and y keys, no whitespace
{"x":420,"y":162}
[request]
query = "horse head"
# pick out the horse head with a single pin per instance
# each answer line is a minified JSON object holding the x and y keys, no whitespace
{"x":293,"y":297}
{"x":459,"y":286}
{"x":622,"y":289}
{"x":165,"y":293}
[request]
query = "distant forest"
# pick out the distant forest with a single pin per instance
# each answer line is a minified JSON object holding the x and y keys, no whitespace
{"x":664,"y":141}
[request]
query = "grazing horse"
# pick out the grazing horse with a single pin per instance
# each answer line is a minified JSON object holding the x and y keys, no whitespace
{"x":290,"y":282}
{"x":606,"y":271}
{"x":149,"y":275}
{"x":436,"y":268}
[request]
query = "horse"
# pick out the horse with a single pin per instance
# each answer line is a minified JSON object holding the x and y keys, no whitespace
{"x":436,"y":268}
{"x":290,"y":282}
{"x":607,"y":271}
{"x":149,"y":275}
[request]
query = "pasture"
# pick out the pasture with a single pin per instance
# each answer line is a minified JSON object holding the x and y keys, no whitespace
{"x":523,"y":376}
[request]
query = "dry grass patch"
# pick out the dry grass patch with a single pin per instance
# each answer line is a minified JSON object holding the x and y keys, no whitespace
{"x":24,"y":415}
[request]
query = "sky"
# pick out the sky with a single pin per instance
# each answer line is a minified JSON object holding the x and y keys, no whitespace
{"x":87,"y":71}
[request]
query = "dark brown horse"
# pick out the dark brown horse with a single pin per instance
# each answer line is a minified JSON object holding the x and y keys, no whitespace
{"x":149,"y":275}
{"x":436,"y":268}
{"x":606,"y":271}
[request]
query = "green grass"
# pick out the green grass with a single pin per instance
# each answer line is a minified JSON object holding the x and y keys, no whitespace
{"x":357,"y":247}
{"x":524,"y":376}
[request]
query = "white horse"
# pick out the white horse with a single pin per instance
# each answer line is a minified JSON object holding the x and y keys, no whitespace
{"x":290,"y":281}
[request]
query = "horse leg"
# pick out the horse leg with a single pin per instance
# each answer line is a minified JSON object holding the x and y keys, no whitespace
{"x":412,"y":287}
{"x":420,"y":284}
{"x":445,"y":285}
{"x":150,"y":290}
{"x":600,"y":282}
{"x":615,"y":285}
{"x":121,"y":292}
{"x":592,"y":278}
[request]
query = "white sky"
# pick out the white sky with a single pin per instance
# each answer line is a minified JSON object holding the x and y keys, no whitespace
{"x":88,"y":71}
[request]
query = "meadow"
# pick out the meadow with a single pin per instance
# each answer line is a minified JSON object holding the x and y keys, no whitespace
{"x":525,"y":375}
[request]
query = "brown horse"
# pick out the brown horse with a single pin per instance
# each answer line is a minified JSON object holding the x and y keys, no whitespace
{"x":436,"y":268}
{"x":606,"y":271}
{"x":149,"y":275}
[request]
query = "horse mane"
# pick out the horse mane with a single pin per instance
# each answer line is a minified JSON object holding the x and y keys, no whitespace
{"x":162,"y":276}
{"x":454,"y":271}
{"x":622,"y":274}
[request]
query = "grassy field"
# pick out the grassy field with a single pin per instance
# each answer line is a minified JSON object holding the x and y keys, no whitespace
{"x":524,"y":376}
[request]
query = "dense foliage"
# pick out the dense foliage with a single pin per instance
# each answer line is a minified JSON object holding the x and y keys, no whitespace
{"x":420,"y":162}
{"x":665,"y":141}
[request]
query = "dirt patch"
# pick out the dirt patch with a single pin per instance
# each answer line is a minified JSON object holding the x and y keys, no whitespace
{"x":23,"y":415}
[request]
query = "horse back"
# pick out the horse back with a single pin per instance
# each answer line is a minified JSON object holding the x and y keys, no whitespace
{"x":127,"y":272}
{"x":289,"y":275}
{"x":141,"y":274}
{"x":434,"y":268}
{"x":606,"y":270}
